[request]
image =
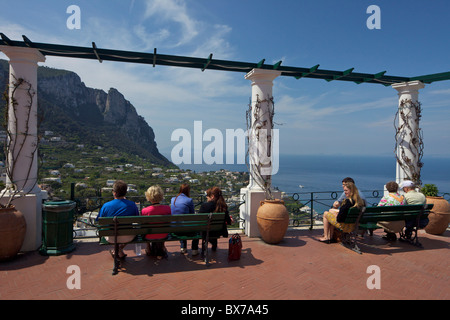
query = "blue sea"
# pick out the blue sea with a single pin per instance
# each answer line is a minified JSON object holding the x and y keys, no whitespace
{"x":317,"y":173}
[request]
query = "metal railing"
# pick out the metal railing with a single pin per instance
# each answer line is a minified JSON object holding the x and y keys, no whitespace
{"x":305,"y":208}
{"x":88,"y":207}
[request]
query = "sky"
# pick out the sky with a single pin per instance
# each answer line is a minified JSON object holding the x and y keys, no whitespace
{"x":313,"y":116}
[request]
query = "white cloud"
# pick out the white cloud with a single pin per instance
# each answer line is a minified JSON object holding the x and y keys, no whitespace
{"x":150,"y":40}
{"x":325,"y":108}
{"x":215,"y":43}
{"x":166,"y":97}
{"x":438,"y":92}
{"x":387,"y":122}
{"x":175,"y":11}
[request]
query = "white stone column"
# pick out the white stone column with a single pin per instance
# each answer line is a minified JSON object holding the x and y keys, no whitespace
{"x":22,"y":125}
{"x":408,"y":135}
{"x":260,"y":135}
{"x":260,"y":147}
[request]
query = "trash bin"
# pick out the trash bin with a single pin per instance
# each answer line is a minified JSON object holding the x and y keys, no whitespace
{"x":57,"y":227}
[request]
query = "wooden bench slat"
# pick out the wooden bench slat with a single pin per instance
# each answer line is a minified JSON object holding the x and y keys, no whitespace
{"x":372,"y":215}
{"x":161,"y":224}
{"x":159,"y":218}
{"x":390,"y":217}
{"x":152,"y":230}
{"x":213,"y":225}
{"x":389,"y":209}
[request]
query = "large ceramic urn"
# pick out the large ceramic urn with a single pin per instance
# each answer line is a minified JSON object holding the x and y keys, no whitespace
{"x":273,"y":220}
{"x":12,"y":232}
{"x":439,"y":216}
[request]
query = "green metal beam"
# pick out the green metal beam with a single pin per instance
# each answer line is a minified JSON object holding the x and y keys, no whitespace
{"x":433,"y":77}
{"x":277,"y":65}
{"x":5,"y":39}
{"x":94,"y":47}
{"x":375,"y":76}
{"x":311,"y":70}
{"x":344,"y":74}
{"x":261,"y":63}
{"x":96,"y":53}
{"x":208,"y":61}
{"x":27,"y":41}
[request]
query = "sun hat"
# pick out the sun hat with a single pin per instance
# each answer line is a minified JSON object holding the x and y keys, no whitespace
{"x":407,"y":184}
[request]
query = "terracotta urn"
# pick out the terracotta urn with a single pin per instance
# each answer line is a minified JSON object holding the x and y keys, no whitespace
{"x":273,"y":220}
{"x":439,"y":216}
{"x":12,"y":232}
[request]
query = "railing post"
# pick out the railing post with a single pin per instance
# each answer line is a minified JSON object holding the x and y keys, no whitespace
{"x":72,"y":191}
{"x":312,"y":210}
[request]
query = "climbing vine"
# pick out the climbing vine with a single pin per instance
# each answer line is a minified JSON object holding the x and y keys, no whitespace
{"x":259,"y":138}
{"x":15,"y":142}
{"x":409,"y":139}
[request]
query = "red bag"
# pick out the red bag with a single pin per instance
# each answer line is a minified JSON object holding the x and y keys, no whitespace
{"x":234,"y":247}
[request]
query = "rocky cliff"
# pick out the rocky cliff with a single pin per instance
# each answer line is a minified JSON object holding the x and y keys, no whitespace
{"x":86,"y":115}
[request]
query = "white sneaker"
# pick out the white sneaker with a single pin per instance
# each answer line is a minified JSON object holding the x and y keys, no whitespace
{"x":183,"y":250}
{"x":194,"y":252}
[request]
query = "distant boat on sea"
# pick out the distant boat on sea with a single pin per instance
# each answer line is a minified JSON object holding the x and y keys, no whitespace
{"x":300,"y":186}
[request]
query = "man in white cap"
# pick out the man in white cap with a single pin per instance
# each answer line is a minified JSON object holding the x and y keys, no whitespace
{"x":413,"y":197}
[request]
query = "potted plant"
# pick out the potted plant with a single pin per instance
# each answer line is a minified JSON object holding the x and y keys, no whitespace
{"x":12,"y":221}
{"x":272,"y":216}
{"x":440,"y":214}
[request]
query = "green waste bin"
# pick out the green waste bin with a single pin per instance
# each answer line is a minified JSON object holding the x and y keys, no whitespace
{"x":57,"y":228}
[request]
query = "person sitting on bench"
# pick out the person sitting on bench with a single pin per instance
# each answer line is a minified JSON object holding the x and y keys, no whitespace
{"x":413,"y":197}
{"x":155,"y":195}
{"x":334,"y":218}
{"x":120,"y":206}
{"x":393,"y":198}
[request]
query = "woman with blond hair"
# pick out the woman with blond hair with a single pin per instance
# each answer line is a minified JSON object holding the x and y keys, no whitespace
{"x":335,"y":218}
{"x":155,"y":196}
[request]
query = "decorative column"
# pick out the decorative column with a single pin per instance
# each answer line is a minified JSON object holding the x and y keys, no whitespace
{"x":408,"y":136}
{"x":260,"y":147}
{"x":22,"y":131}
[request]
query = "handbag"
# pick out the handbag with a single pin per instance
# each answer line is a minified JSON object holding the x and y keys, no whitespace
{"x":234,"y":247}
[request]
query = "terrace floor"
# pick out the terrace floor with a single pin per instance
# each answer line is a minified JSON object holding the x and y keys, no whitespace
{"x":299,"y":268}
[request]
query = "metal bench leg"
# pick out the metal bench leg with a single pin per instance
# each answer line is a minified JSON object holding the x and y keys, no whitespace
{"x":349,"y":241}
{"x":206,"y":248}
{"x":415,"y":239}
{"x":413,"y":236}
{"x":116,"y":258}
{"x":207,"y":241}
{"x":116,"y":247}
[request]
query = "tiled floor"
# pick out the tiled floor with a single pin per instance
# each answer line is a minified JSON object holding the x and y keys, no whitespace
{"x":298,"y":268}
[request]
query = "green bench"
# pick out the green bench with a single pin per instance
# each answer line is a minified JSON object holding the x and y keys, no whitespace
{"x":178,"y":227}
{"x":367,"y":218}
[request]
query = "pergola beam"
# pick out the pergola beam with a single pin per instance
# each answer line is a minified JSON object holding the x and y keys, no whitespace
{"x":433,"y":77}
{"x":153,"y":59}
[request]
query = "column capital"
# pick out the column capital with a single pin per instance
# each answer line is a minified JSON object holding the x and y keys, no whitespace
{"x":23,"y":55}
{"x":404,"y":87}
{"x":257,"y":75}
